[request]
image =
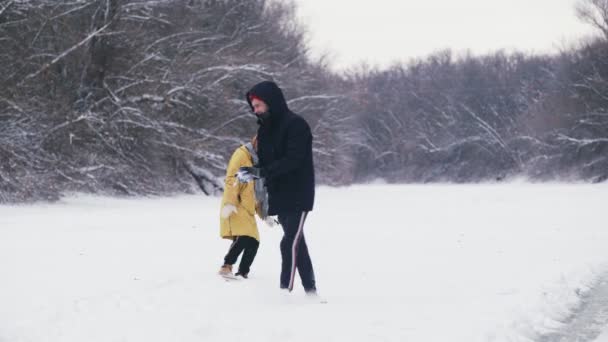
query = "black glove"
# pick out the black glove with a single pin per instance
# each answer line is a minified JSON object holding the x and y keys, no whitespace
{"x":247,"y":173}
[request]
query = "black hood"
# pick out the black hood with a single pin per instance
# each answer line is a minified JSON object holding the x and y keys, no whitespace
{"x":272,"y":95}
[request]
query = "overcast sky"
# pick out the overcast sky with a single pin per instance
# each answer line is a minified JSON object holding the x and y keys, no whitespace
{"x":382,"y":31}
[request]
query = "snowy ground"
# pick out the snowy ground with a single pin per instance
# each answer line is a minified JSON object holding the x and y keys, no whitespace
{"x":603,"y":337}
{"x":395,"y":263}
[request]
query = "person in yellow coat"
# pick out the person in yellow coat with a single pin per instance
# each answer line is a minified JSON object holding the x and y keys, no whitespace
{"x":240,"y":203}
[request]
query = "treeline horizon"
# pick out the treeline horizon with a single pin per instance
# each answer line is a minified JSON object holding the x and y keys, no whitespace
{"x":124,"y":97}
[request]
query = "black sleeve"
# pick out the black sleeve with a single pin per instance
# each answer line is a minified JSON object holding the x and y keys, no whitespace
{"x":298,"y":145}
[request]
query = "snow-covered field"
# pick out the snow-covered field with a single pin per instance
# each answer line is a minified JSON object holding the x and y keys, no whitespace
{"x":394,"y":263}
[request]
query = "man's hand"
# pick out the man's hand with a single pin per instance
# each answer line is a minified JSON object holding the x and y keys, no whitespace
{"x":227,"y":210}
{"x":246,"y":174}
{"x":270,"y":221}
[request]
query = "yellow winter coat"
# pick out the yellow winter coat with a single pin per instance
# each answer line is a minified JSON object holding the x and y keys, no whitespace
{"x":240,"y":195}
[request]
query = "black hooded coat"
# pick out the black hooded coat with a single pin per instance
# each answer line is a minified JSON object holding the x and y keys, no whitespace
{"x":285,"y":153}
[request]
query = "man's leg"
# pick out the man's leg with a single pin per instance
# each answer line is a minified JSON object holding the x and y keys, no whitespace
{"x":305,"y":269}
{"x":286,"y":243}
{"x":295,"y":252}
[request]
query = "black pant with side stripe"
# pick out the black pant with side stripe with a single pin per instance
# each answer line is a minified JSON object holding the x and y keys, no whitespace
{"x":242,"y":243}
{"x":294,"y":252}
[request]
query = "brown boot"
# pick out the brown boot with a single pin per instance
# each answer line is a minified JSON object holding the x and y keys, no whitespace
{"x":226,"y":270}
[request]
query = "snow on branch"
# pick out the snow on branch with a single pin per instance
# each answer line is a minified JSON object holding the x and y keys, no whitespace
{"x":314,"y":97}
{"x":5,"y":7}
{"x":67,"y":52}
{"x":581,"y":142}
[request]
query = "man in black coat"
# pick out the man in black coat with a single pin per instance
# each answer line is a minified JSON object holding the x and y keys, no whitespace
{"x":285,"y":154}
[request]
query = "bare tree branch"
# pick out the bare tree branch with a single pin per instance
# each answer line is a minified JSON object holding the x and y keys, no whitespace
{"x":66,"y":52}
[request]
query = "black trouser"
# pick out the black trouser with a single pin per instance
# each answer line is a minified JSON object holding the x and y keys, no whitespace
{"x":240,"y":243}
{"x":294,"y":252}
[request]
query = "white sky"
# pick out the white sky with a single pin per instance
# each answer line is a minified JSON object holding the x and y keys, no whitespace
{"x":382,"y":31}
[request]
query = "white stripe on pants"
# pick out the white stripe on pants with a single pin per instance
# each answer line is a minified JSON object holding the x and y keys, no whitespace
{"x":294,"y":249}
